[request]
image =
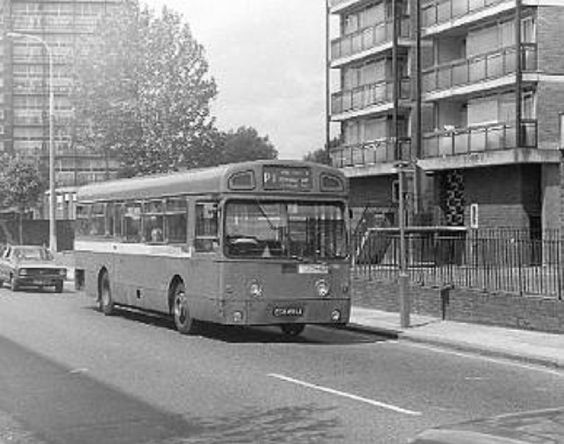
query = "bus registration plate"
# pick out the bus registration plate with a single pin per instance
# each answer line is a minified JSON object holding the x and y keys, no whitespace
{"x":313,"y":269}
{"x":288,"y":311}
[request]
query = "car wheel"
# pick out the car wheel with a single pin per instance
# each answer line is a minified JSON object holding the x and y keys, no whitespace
{"x":59,"y":287}
{"x":105,"y":301}
{"x":14,"y":286}
{"x":183,"y":321}
{"x":292,"y":329}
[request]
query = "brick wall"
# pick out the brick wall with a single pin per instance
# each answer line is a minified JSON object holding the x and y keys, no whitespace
{"x":549,"y":39}
{"x":464,"y":305}
{"x":550,"y":103}
{"x":36,"y":232}
{"x":516,"y":195}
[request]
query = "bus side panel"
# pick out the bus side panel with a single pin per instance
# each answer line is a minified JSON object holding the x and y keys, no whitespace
{"x":143,"y":281}
{"x":92,"y":263}
{"x":203,"y":288}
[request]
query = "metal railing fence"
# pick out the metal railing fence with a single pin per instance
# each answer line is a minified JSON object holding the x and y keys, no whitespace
{"x":500,"y":260}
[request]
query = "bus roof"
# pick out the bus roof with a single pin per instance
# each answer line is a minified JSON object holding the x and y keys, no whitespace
{"x":195,"y":181}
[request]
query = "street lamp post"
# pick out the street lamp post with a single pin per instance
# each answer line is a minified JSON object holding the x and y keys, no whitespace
{"x":52,"y":218}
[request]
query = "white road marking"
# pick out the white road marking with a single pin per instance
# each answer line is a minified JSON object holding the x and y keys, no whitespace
{"x":345,"y":395}
{"x":500,"y":361}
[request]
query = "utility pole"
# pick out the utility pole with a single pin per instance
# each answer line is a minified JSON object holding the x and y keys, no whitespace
{"x":403,"y":290}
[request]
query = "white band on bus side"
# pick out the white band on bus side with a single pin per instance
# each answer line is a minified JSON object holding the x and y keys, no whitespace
{"x":179,"y":251}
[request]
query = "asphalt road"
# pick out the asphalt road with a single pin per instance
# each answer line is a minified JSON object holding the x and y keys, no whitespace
{"x":68,"y":374}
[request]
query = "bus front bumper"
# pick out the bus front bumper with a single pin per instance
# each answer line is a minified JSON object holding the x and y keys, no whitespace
{"x":303,"y":311}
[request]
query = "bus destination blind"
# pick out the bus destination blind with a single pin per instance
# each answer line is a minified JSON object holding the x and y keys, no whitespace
{"x":287,"y":178}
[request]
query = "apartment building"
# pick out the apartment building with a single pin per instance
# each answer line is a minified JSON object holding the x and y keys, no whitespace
{"x":466,"y":94}
{"x":24,"y":84}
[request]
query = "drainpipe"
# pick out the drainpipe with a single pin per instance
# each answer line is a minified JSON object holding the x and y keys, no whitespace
{"x":327,"y":79}
{"x":395,"y":90}
{"x":418,"y":151}
{"x":518,"y":73}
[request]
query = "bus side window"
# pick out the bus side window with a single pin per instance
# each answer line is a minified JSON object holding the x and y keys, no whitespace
{"x":83,"y":219}
{"x":132,"y":222}
{"x":153,"y":221}
{"x":206,"y":226}
{"x":176,"y":220}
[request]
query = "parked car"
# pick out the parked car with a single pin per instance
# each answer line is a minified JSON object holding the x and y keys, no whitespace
{"x":540,"y":426}
{"x":30,"y":266}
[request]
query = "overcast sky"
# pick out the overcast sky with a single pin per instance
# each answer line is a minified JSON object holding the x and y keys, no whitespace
{"x":267,"y":57}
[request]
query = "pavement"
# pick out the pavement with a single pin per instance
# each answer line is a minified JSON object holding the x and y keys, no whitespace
{"x":521,"y":345}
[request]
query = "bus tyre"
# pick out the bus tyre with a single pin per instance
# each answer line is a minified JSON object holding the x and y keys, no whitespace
{"x":59,"y":287}
{"x":184,"y":323}
{"x":105,"y":301}
{"x":292,"y":329}
{"x":14,"y":284}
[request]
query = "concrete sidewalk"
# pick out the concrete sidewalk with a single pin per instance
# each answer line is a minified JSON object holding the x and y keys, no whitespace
{"x":523,"y":345}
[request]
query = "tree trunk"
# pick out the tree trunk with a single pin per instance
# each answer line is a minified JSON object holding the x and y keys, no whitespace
{"x":21,"y":227}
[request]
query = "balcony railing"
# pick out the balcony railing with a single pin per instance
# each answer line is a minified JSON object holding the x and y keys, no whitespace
{"x":488,"y":66}
{"x":479,"y":139}
{"x":370,"y":153}
{"x":367,"y":95}
{"x":367,"y":38}
{"x":442,"y":11}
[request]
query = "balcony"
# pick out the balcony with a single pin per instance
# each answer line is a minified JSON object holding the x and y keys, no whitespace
{"x":367,"y":96}
{"x":338,"y":6}
{"x":490,"y":66}
{"x":371,"y":153}
{"x":443,"y":14}
{"x":501,"y":136}
{"x":366,"y":39}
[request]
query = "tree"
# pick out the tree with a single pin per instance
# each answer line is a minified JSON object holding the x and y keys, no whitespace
{"x":246,"y":144}
{"x":142,"y":93}
{"x":319,"y":156}
{"x":21,"y":187}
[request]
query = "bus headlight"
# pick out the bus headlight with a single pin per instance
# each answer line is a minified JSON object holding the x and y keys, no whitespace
{"x":255,"y":289}
{"x":237,"y":316}
{"x":335,"y":315}
{"x":322,"y":288}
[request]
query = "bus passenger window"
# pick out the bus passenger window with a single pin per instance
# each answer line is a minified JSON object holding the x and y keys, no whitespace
{"x":132,"y":222}
{"x":153,"y":221}
{"x":206,"y":227}
{"x":98,"y":220}
{"x":176,"y":220}
{"x":83,"y":219}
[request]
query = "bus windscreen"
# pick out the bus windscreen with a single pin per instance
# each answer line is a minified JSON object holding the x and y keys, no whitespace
{"x":300,"y":230}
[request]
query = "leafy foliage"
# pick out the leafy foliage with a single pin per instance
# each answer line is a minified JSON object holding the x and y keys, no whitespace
{"x":319,"y":156}
{"x":21,"y":184}
{"x":142,"y":93}
{"x":245,"y":144}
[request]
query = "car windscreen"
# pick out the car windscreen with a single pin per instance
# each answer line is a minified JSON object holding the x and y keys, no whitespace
{"x":32,"y":254}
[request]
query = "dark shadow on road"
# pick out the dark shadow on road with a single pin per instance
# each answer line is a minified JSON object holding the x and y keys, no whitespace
{"x":300,"y":424}
{"x":313,"y":334}
{"x":61,"y":406}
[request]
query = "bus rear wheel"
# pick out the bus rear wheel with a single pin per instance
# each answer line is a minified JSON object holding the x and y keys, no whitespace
{"x":183,"y":321}
{"x":105,"y":301}
{"x":292,"y":329}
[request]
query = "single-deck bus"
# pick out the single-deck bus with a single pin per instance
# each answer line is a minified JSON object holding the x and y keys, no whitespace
{"x":253,"y":243}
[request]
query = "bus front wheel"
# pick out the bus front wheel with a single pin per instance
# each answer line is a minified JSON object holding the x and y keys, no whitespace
{"x":105,"y":301}
{"x":183,"y":321}
{"x":292,"y":329}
